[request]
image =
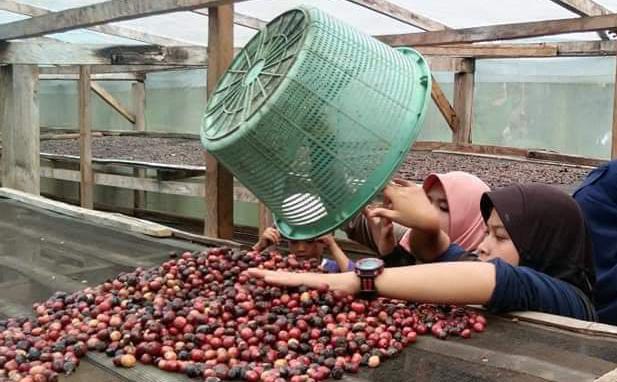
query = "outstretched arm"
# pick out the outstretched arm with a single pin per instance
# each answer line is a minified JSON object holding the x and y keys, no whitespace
{"x":448,"y":283}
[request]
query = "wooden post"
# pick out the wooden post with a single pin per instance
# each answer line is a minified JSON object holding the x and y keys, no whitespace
{"x":463,"y":104}
{"x":138,"y":90}
{"x":86,"y":186}
{"x":614,"y":132}
{"x":19,"y":116}
{"x":265,"y":218}
{"x":219,"y":181}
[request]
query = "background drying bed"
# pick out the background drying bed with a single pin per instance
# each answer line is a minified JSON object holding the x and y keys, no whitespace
{"x":41,"y":252}
{"x":417,"y":165}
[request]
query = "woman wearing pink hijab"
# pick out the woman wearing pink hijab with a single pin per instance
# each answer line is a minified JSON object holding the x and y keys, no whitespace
{"x":456,"y":196}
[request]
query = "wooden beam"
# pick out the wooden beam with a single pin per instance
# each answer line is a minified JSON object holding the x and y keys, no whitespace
{"x":265,"y":218}
{"x":503,"y":31}
{"x":113,"y":30}
{"x":95,"y":77}
{"x":463,"y":104}
{"x":19,"y":120}
{"x":501,"y":50}
{"x":446,"y":110}
{"x":241,"y":19}
{"x":401,"y":14}
{"x":171,"y":187}
{"x":116,"y":221}
{"x":96,"y":14}
{"x":219,"y":181}
{"x":109,"y":99}
{"x":491,"y":50}
{"x":614,"y":127}
{"x":448,"y":64}
{"x":86,"y":185}
{"x":138,"y":92}
{"x":111,"y":69}
{"x":46,"y":53}
{"x":585,"y":8}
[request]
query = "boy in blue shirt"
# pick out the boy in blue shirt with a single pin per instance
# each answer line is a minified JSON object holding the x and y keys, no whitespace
{"x":309,"y":249}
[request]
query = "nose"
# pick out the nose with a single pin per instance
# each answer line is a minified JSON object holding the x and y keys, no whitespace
{"x":483,"y":250}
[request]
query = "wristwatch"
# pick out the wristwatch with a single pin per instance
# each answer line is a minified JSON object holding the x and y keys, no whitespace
{"x":367,"y":270}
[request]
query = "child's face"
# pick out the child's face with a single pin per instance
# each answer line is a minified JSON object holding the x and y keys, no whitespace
{"x":437,"y":195}
{"x":497,"y":242}
{"x":307,"y":249}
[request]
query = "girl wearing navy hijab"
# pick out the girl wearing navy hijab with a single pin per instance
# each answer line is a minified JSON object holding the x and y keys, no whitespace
{"x":597,"y":197}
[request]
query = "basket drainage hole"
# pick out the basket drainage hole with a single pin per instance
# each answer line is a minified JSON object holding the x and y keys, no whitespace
{"x":254,"y":72}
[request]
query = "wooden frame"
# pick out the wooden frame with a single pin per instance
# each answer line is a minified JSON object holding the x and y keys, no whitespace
{"x":219,"y":181}
{"x":112,"y":30}
{"x":585,"y":8}
{"x":504,"y":31}
{"x":401,"y":14}
{"x":19,"y":121}
{"x":86,"y":184}
{"x":96,"y":14}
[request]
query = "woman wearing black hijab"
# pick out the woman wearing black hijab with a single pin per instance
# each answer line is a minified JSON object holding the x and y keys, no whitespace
{"x":536,"y":255}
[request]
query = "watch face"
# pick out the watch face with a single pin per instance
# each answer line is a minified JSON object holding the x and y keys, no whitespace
{"x":369,"y":264}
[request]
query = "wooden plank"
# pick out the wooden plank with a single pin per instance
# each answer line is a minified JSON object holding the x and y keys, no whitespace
{"x":113,"y":30}
{"x":111,"y":69}
{"x":51,"y":137}
{"x":463,"y":104}
{"x":614,"y":127}
{"x":138,"y":91}
{"x":19,"y":120}
{"x":94,"y":77}
{"x":491,"y":50}
{"x":115,"y":220}
{"x":96,"y":14}
{"x":443,"y":105}
{"x":567,"y":323}
{"x":240,"y":19}
{"x":401,"y":14}
{"x":448,"y":64}
{"x":504,"y":50}
{"x":219,"y":181}
{"x":197,"y":189}
{"x":123,"y":162}
{"x":469,"y":148}
{"x":565,"y":158}
{"x":585,"y":8}
{"x":503,"y":31}
{"x":46,"y":53}
{"x":265,"y":218}
{"x":86,"y":184}
{"x":109,"y":99}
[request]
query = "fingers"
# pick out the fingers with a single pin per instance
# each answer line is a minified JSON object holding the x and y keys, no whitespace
{"x":384,"y":213}
{"x":403,"y":182}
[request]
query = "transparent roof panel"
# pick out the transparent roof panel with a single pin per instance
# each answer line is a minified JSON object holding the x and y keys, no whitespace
{"x":191,"y":28}
{"x":470,"y":13}
{"x":366,"y":20}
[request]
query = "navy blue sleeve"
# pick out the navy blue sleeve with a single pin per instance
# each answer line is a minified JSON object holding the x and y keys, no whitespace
{"x":454,"y":253}
{"x":330,"y":266}
{"x":522,"y":288}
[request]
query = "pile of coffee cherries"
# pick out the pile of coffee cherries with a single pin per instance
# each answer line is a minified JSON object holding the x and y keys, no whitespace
{"x":201,"y":314}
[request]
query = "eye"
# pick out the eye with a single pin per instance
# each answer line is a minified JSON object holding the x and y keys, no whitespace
{"x":444,"y":208}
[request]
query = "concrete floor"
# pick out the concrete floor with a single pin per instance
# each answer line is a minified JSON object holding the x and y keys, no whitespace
{"x":41,"y":252}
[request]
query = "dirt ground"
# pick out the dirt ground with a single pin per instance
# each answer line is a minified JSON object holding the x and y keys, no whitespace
{"x":418,"y":164}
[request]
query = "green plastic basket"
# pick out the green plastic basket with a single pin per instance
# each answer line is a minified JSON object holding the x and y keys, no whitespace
{"x":314,"y":117}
